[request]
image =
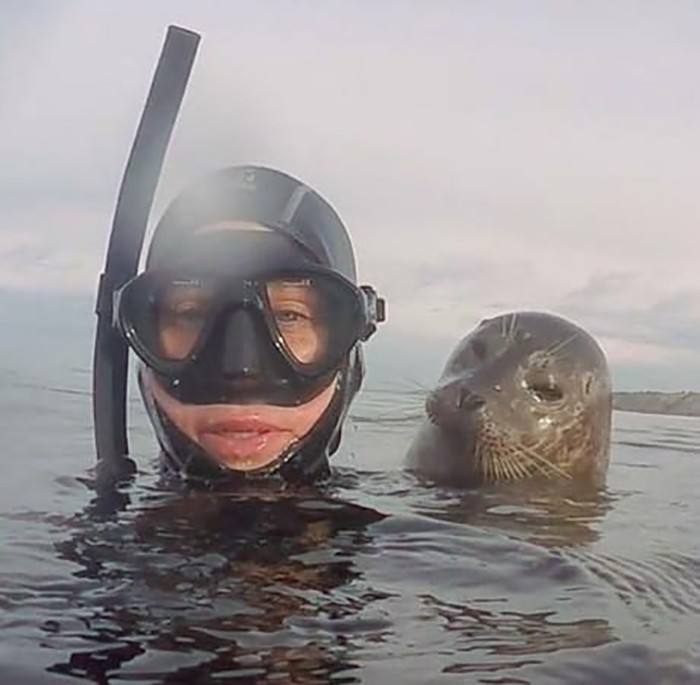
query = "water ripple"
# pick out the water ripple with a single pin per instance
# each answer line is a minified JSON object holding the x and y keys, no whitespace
{"x":372,"y":577}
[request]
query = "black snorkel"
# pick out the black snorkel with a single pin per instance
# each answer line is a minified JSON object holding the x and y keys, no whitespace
{"x":110,"y":360}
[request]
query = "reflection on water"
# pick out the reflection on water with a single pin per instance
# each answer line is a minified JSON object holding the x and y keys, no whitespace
{"x":246,"y":583}
{"x":372,"y":577}
{"x":557,"y":516}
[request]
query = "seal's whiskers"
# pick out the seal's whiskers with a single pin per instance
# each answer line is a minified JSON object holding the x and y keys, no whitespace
{"x":513,"y":327}
{"x":520,"y":466}
{"x":555,"y":349}
{"x":544,"y":462}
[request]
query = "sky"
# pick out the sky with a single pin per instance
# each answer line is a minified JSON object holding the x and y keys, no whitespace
{"x":486,"y":156}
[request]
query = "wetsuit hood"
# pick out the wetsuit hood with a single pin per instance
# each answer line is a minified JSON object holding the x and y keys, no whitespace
{"x":287,"y":206}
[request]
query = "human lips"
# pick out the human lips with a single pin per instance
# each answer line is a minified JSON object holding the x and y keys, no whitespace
{"x":244,"y":443}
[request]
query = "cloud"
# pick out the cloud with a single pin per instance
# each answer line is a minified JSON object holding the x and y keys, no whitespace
{"x":483,"y":160}
{"x":639,"y":309}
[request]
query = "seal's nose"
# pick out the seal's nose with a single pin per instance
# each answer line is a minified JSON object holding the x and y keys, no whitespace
{"x":453,"y":399}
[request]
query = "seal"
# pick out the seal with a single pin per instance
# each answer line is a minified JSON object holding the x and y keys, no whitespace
{"x":524,"y":395}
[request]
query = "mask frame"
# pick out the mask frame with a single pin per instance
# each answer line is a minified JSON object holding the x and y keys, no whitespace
{"x":365,"y":310}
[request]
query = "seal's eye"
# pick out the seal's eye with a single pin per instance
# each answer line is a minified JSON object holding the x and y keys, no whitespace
{"x":545,"y":391}
{"x":588,"y":384}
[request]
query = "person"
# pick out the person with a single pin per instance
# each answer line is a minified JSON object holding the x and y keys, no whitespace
{"x":248,"y":325}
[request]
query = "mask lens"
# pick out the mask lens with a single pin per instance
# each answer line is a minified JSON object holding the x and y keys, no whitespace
{"x":313,"y":316}
{"x":164,"y":318}
{"x":181,"y":310}
{"x":296,"y":308}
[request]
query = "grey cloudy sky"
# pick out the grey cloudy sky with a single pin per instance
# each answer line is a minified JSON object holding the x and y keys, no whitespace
{"x":485,"y":155}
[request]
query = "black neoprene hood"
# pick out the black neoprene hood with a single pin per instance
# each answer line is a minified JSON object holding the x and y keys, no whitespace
{"x":283,"y":204}
{"x":259,"y":195}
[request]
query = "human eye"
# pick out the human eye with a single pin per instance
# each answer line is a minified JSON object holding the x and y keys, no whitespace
{"x":291,"y":314}
{"x":184,"y":310}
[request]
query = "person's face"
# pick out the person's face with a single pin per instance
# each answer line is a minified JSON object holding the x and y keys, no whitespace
{"x":244,"y":437}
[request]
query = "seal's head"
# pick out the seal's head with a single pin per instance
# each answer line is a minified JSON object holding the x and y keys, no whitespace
{"x":525,"y":394}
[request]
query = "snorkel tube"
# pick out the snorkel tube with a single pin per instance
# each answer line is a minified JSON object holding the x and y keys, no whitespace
{"x":143,"y":168}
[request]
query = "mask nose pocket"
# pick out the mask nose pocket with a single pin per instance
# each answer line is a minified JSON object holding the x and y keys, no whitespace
{"x":241,"y":344}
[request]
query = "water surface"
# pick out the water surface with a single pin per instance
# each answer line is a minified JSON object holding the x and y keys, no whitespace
{"x":371,"y":578}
